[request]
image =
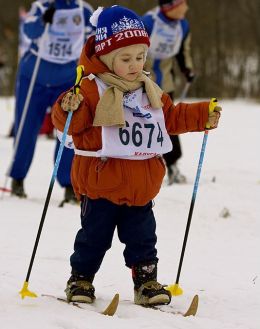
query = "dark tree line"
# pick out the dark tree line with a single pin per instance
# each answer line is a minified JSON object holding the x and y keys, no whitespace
{"x":225,"y":44}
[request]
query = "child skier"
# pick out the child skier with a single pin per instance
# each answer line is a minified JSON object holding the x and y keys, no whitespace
{"x":120,"y":130}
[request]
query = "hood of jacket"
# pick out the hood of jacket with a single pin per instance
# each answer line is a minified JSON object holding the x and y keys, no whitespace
{"x":90,"y":60}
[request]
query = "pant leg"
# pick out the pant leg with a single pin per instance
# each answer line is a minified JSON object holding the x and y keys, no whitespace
{"x":64,"y":170}
{"x":136,"y":229}
{"x":63,"y":174}
{"x":47,"y":126}
{"x":176,"y":153}
{"x":98,"y":221}
{"x":32,"y":124}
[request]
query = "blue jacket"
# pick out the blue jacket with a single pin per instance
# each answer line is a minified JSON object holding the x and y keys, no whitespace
{"x":49,"y":74}
{"x":162,"y":69}
{"x":148,"y":21}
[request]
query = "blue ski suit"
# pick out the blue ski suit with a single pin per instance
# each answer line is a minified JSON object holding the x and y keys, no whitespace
{"x":170,"y":39}
{"x":57,"y":72}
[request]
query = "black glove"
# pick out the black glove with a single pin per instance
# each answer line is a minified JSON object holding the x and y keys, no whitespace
{"x":189,"y":74}
{"x":48,"y":15}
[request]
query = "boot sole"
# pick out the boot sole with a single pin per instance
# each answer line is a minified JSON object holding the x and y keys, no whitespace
{"x":156,"y":300}
{"x":81,"y":299}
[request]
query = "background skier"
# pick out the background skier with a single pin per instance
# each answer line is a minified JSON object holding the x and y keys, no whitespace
{"x":170,"y":39}
{"x":69,"y":27}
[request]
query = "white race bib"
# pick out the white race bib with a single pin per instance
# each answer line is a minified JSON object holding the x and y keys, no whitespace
{"x":65,"y":38}
{"x":144,"y":135}
{"x":165,"y":39}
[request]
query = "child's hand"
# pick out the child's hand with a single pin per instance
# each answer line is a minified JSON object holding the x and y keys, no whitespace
{"x":71,"y":101}
{"x":189,"y":74}
{"x":214,"y":114}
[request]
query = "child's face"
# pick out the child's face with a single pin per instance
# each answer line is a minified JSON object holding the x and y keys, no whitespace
{"x":179,"y":12}
{"x":129,"y":62}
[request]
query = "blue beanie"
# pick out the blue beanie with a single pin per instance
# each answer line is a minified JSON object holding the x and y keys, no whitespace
{"x":117,"y":27}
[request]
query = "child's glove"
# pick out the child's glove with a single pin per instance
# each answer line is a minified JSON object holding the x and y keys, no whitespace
{"x":47,"y":17}
{"x":71,"y":101}
{"x":189,"y":74}
{"x":214,"y":114}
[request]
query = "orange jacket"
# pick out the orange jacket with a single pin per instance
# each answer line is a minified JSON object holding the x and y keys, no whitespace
{"x":131,"y":182}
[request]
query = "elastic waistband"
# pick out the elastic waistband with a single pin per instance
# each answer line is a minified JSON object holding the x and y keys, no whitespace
{"x":86,"y":153}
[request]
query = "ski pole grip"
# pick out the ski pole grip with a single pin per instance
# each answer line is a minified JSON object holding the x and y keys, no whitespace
{"x":212,"y":104}
{"x":80,"y":74}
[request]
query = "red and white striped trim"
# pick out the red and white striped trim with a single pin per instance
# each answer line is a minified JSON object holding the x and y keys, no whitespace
{"x":122,"y":39}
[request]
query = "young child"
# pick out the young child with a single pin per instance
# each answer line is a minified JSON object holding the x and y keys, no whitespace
{"x":120,"y":130}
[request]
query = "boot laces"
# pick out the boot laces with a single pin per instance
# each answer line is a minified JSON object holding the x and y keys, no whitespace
{"x":85,"y":285}
{"x":152,"y":285}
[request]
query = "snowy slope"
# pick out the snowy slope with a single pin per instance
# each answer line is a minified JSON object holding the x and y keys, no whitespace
{"x":221,"y":261}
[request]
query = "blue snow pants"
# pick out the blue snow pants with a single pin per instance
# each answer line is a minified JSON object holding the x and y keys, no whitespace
{"x":42,"y":98}
{"x":135,"y":227}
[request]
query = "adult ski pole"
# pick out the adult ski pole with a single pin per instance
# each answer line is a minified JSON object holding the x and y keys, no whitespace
{"x":185,"y":91}
{"x":25,"y":292}
{"x":175,"y":289}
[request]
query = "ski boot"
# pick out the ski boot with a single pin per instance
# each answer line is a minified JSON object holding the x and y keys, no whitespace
{"x":175,"y":176}
{"x":147,"y":291}
{"x":17,"y":188}
{"x":69,"y":196}
{"x":80,"y":289}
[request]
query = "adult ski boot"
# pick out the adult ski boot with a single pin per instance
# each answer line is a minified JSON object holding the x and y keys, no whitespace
{"x":17,"y":188}
{"x":175,"y":176}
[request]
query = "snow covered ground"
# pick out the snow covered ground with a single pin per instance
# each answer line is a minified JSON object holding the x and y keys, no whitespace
{"x":221,"y":262}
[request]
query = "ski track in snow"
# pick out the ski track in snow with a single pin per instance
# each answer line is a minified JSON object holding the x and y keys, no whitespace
{"x":221,"y":261}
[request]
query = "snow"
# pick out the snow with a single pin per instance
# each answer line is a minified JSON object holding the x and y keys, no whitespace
{"x":221,"y":261}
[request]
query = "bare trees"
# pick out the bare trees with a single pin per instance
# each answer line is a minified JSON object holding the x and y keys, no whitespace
{"x":226,"y":47}
{"x":225,"y":43}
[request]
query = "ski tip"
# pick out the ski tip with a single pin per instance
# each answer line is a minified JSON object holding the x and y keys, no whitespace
{"x":192,"y":310}
{"x":112,"y":307}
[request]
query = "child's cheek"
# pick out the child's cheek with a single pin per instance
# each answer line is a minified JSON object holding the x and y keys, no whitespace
{"x":119,"y":71}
